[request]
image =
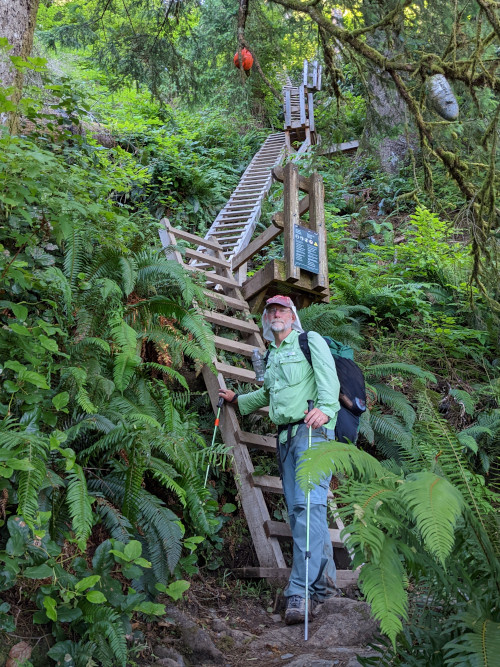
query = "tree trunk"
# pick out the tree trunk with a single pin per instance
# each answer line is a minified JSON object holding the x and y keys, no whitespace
{"x":17,"y":24}
{"x":389,"y":131}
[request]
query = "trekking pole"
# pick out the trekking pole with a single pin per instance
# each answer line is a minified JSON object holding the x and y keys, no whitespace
{"x":310,"y":406}
{"x":220,"y":403}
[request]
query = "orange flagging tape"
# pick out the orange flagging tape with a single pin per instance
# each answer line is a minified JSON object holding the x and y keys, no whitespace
{"x":216,"y":422}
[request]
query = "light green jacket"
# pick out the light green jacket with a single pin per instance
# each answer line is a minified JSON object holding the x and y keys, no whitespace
{"x":290,"y":382}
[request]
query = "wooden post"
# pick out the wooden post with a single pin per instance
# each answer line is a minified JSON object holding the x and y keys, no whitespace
{"x":290,"y":218}
{"x":317,"y":224}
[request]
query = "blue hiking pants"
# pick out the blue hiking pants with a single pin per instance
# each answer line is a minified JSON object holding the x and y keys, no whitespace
{"x":322,"y":573}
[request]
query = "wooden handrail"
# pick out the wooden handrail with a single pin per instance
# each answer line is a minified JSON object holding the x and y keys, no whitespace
{"x":257,"y":244}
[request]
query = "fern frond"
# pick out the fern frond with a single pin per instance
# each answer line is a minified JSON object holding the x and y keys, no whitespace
{"x":58,"y":280}
{"x":382,"y":585}
{"x":480,"y":648}
{"x":77,"y":377}
{"x":334,"y":457}
{"x":166,"y":474}
{"x":465,"y":399}
{"x":162,"y":533}
{"x":119,"y":526}
{"x":390,"y":427}
{"x":34,"y":450}
{"x":167,"y":370}
{"x":133,"y":478}
{"x":365,"y":429}
{"x":397,"y":402}
{"x":105,"y":622}
{"x":382,"y":370}
{"x":74,"y":260}
{"x":435,"y":505}
{"x":79,"y":505}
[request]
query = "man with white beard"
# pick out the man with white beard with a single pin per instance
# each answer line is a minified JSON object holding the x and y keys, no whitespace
{"x":289,"y":382}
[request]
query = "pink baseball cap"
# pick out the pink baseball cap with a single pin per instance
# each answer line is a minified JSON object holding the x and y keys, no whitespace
{"x":281,"y":301}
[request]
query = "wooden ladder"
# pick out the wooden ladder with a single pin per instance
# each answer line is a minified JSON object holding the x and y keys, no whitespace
{"x":234,"y":226}
{"x":231,"y":312}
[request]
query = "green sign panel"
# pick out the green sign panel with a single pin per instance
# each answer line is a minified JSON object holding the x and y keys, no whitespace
{"x":306,"y":249}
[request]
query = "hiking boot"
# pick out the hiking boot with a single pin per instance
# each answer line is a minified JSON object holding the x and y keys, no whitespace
{"x":295,"y":610}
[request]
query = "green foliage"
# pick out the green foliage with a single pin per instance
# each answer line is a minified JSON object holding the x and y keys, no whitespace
{"x":97,"y":325}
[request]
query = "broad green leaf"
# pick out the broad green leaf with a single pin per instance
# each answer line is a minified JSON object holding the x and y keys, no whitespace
{"x":132,"y":550}
{"x":48,"y":343}
{"x":19,"y":329}
{"x":61,"y":400}
{"x":96,"y":597}
{"x":87,"y":582}
{"x":20,"y":311}
{"x":50,"y":608}
{"x":151,"y":608}
{"x":175,"y":589}
{"x":228,"y":507}
{"x":67,"y":614}
{"x":34,"y":378}
{"x":38,"y":572}
{"x":20,"y":464}
{"x":15,"y":366}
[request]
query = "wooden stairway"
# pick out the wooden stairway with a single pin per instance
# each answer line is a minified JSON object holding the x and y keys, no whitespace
{"x":234,"y":226}
{"x":230,"y":316}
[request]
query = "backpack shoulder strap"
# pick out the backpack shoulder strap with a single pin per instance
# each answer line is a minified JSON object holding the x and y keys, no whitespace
{"x":304,"y":346}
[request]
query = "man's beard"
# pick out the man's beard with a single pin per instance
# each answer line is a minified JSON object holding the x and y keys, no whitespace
{"x":278,"y":326}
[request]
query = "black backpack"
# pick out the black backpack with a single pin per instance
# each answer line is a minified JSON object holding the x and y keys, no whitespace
{"x":352,"y":386}
{"x":352,"y":395}
{"x":352,"y":383}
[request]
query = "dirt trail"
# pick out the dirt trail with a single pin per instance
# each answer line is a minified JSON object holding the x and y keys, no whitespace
{"x":213,"y":628}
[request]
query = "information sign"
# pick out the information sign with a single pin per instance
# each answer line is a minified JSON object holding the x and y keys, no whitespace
{"x":306,"y":249}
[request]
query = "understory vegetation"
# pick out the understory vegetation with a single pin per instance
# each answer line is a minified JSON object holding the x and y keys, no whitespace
{"x":105,"y":424}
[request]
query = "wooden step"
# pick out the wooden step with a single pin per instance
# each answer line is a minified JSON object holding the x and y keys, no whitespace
{"x":213,"y":277}
{"x":223,"y":301}
{"x":222,"y":236}
{"x":186,"y":236}
{"x":235,"y":346}
{"x":266,"y":443}
{"x":247,"y":326}
{"x":230,"y":225}
{"x":267,"y":483}
{"x":204,"y":257}
{"x":282,"y":530}
{"x":345,"y":578}
{"x":235,"y":373}
{"x":272,"y":484}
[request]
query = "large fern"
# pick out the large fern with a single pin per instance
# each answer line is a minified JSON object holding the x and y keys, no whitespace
{"x":79,"y":504}
{"x":382,"y":582}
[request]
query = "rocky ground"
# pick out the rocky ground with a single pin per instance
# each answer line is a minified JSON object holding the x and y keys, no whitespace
{"x":247,"y":631}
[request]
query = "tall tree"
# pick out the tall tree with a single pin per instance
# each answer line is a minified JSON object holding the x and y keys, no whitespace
{"x":17,"y":25}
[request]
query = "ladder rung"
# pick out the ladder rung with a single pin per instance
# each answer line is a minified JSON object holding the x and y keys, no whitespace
{"x":271,"y":484}
{"x":235,"y":346}
{"x":235,"y":373}
{"x":281,"y":529}
{"x":344,"y":579}
{"x":223,"y":301}
{"x":207,"y":259}
{"x":267,"y":483}
{"x":248,"y":326}
{"x":214,"y":277}
{"x":266,"y":443}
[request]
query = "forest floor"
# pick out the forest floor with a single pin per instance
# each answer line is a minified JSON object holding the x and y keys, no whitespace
{"x":224,"y":626}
